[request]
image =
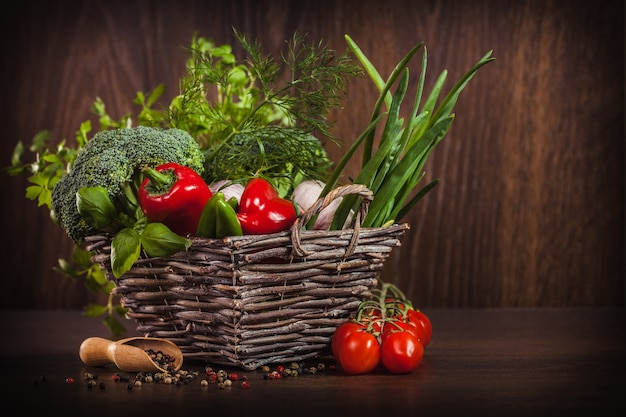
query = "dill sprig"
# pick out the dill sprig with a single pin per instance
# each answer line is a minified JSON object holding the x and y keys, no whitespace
{"x":317,"y":80}
{"x":228,"y":106}
{"x":283,"y":155}
{"x":221,"y":96}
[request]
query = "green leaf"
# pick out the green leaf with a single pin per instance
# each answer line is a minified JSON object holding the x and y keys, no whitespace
{"x":370,"y":69}
{"x":96,"y":208}
{"x":68,"y":269}
{"x":95,"y":310}
{"x":385,"y":95}
{"x":413,"y":161}
{"x":40,"y":142}
{"x":18,"y":152}
{"x":114,"y":325}
{"x":155,"y":95}
{"x":81,"y":257}
{"x":81,"y":135}
{"x":407,"y":208}
{"x":121,"y":311}
{"x":450,"y":100}
{"x":158,"y":240}
{"x":98,"y":276}
{"x":391,"y":132}
{"x":32,"y":192}
{"x":431,"y":100}
{"x":125,"y":250}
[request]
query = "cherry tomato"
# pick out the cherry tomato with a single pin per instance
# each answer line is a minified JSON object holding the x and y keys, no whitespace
{"x":359,"y":353}
{"x":341,"y":333}
{"x":402,"y":326}
{"x":401,"y":352}
{"x":416,"y":316}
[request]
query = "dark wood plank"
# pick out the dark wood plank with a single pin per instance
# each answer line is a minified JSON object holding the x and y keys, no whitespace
{"x":530,"y":208}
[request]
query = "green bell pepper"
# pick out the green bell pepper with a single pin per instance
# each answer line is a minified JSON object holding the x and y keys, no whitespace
{"x":219,"y":218}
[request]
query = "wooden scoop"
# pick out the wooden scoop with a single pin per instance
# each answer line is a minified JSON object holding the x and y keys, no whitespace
{"x":129,"y":354}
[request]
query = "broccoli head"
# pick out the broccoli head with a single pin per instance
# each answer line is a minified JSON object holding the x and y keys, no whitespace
{"x":111,"y":159}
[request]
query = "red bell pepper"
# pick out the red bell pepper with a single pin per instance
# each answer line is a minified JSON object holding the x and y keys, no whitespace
{"x":262,"y":211}
{"x":174,"y":195}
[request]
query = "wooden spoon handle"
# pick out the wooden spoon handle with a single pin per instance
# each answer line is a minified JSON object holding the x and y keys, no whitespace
{"x":96,"y":351}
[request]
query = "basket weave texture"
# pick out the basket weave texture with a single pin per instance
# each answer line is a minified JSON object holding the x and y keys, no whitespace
{"x":247,"y":301}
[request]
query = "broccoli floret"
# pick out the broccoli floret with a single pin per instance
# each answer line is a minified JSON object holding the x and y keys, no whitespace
{"x":111,"y":159}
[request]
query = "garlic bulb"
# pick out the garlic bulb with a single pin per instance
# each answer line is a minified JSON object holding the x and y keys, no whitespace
{"x":229,"y":188}
{"x":307,"y":193}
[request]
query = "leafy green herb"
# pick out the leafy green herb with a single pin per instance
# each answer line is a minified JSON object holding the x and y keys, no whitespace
{"x":82,"y":268}
{"x":394,"y":169}
{"x":97,"y":209}
{"x":221,"y":96}
{"x":158,"y":240}
{"x":125,"y":250}
{"x":284,"y":156}
{"x":249,"y":120}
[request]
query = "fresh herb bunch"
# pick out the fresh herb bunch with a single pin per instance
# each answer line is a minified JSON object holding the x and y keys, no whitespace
{"x":392,"y":166}
{"x":283,"y":155}
{"x":230,"y":106}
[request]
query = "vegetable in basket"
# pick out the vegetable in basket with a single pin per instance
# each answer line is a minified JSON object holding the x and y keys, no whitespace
{"x":222,"y":100}
{"x":174,"y":195}
{"x":259,"y":210}
{"x":130,"y":234}
{"x":266,"y":119}
{"x":113,"y":159}
{"x":306,"y":194}
{"x":266,"y":114}
{"x":219,"y":218}
{"x":99,"y":193}
{"x":263,"y":211}
{"x":392,"y":167}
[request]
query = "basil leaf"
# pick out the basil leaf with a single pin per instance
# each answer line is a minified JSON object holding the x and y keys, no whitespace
{"x":95,"y":207}
{"x":158,"y":240}
{"x":125,"y":250}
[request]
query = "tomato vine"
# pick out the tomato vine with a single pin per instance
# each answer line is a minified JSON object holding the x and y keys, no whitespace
{"x":385,"y":330}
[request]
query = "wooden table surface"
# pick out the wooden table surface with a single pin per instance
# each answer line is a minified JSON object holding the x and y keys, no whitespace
{"x":481,"y":362}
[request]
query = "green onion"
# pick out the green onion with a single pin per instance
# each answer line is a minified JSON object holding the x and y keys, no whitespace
{"x":394,"y":169}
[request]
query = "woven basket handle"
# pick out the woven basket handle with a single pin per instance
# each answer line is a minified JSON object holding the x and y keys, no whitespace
{"x":366,"y":198}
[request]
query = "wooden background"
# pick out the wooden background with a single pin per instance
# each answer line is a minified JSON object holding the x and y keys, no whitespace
{"x":530,"y":208}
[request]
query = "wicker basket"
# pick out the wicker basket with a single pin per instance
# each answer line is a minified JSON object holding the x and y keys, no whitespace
{"x":247,"y":301}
